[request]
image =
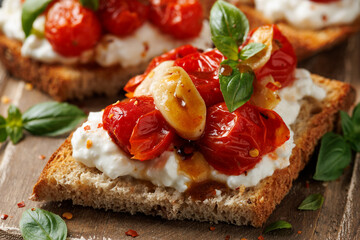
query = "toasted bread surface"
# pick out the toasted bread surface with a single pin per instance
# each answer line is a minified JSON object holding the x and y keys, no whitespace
{"x":65,"y":82}
{"x":63,"y":178}
{"x":305,"y":42}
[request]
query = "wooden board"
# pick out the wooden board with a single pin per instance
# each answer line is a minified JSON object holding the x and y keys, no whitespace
{"x":339,"y":217}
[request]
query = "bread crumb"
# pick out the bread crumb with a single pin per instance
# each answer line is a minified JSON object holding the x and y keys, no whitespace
{"x":29,"y":86}
{"x":212,"y":228}
{"x":132,"y":233}
{"x":5,"y":99}
{"x":67,"y":215}
{"x":42,"y":157}
{"x":261,"y":199}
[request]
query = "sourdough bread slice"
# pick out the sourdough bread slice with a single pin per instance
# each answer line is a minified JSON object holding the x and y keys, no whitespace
{"x":65,"y":82}
{"x":305,"y":42}
{"x":64,"y":178}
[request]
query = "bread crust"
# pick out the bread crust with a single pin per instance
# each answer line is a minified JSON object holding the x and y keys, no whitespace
{"x":65,"y":82}
{"x":305,"y":42}
{"x":63,"y":178}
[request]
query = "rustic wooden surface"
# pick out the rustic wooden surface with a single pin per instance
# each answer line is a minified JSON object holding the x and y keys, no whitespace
{"x":339,"y":218}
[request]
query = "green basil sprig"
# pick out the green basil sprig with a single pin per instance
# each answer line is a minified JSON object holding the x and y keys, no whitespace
{"x":31,"y":9}
{"x":229,"y":29}
{"x":312,"y":202}
{"x":277,"y":225}
{"x":44,"y":119}
{"x":335,"y":150}
{"x":42,"y":225}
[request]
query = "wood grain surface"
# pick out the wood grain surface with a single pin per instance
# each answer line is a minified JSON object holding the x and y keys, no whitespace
{"x":339,"y":218}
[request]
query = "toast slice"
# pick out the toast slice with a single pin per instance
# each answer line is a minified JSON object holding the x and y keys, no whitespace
{"x":305,"y":42}
{"x":64,"y":82}
{"x":63,"y":178}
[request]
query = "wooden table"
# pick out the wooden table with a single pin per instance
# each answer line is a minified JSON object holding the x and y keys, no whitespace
{"x":339,"y":218}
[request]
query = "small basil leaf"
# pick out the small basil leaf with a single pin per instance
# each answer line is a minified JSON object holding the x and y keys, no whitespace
{"x":226,"y":46}
{"x":3,"y":133}
{"x":236,"y":87}
{"x":92,"y":4}
{"x":52,"y":118}
{"x":30,"y":11}
{"x":277,"y":225}
{"x":227,"y":20}
{"x":334,"y":157}
{"x":312,"y":202}
{"x":42,"y":225}
{"x":250,"y":50}
{"x":14,"y":125}
{"x":349,"y":132}
{"x":356,"y":117}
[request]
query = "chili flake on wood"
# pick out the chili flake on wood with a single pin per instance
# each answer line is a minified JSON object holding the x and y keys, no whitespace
{"x":67,"y":215}
{"x":42,"y":157}
{"x":212,"y":228}
{"x":4,"y":216}
{"x":132,"y":233}
{"x":21,"y":204}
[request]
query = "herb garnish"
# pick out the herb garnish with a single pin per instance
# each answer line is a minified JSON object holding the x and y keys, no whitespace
{"x":335,"y":150}
{"x":277,"y":225}
{"x":31,"y":9}
{"x":229,"y":30}
{"x":44,"y":119}
{"x":42,"y":225}
{"x":312,"y":202}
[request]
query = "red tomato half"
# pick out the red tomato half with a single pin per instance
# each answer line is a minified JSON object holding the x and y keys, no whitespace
{"x":203,"y":69}
{"x":174,"y":54}
{"x":151,"y":136}
{"x":179,"y":18}
{"x":123,"y":17}
{"x":229,"y":137}
{"x":71,"y":28}
{"x":282,"y":63}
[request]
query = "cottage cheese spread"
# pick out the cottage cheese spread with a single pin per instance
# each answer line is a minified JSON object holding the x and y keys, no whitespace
{"x":310,"y":15}
{"x":163,"y":171}
{"x":147,"y":42}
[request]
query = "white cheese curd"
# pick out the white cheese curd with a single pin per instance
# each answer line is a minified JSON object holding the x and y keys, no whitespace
{"x":141,"y":46}
{"x":163,"y":171}
{"x":306,"y":14}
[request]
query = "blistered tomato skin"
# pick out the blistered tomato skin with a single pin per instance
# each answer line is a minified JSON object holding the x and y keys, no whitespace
{"x":71,"y":28}
{"x":203,"y":69}
{"x":283,"y":61}
{"x":123,"y":17}
{"x":180,"y":18}
{"x":174,"y":54}
{"x":235,"y":142}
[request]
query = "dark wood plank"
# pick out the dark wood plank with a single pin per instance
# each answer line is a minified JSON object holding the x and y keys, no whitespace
{"x":339,"y":217}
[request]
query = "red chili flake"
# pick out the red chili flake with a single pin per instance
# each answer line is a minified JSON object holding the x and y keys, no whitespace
{"x":307,"y":184}
{"x":42,"y":157}
{"x":4,"y":216}
{"x":243,"y":239}
{"x":227,"y":237}
{"x":212,"y":228}
{"x":21,"y":204}
{"x":132,"y":233}
{"x":260,"y":238}
{"x":100,"y":125}
{"x":299,"y":232}
{"x":67,"y":215}
{"x":87,"y":128}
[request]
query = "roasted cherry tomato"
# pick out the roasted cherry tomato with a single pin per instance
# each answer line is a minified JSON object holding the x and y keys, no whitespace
{"x":123,"y":17}
{"x":179,"y":18}
{"x":282,"y":63}
{"x":174,"y":54}
{"x":151,"y":136}
{"x":203,"y":70}
{"x":235,"y":142}
{"x":71,"y":28}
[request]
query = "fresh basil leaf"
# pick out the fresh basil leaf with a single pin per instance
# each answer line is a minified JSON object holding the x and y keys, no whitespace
{"x":42,"y":225}
{"x":349,"y":132}
{"x":236,"y":87}
{"x":52,"y":118}
{"x":3,"y":133}
{"x":250,"y":50}
{"x":312,"y":202}
{"x":30,"y":11}
{"x":92,"y":4}
{"x":356,"y":118}
{"x":227,"y":20}
{"x":334,"y":157}
{"x":277,"y":225}
{"x":14,"y":124}
{"x":226,"y":46}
